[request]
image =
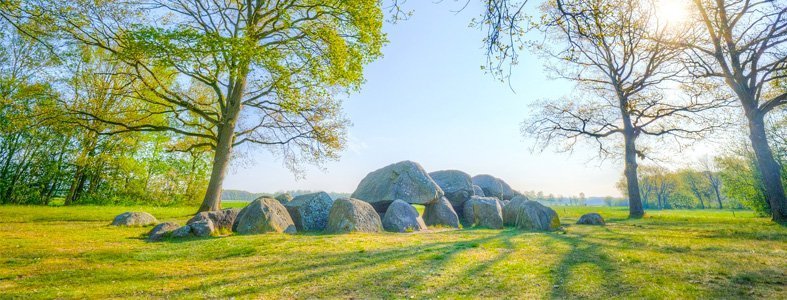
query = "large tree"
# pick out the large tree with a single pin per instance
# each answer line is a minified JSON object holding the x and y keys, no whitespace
{"x":227,"y":73}
{"x":612,"y":50}
{"x":743,"y":43}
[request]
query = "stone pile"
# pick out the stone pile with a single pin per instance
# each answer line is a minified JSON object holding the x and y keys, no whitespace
{"x":384,"y":200}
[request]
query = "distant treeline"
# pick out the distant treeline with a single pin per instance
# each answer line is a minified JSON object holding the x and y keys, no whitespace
{"x":729,"y":181}
{"x":240,"y":195}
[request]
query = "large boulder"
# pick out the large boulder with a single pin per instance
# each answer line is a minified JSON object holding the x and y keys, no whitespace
{"x":483,"y":212}
{"x":264,"y":215}
{"x":477,"y":191}
{"x":353,"y":215}
{"x":402,"y":217}
{"x":202,"y":228}
{"x":134,"y":219}
{"x":404,"y":180}
{"x":283,"y":198}
{"x":508,"y":192}
{"x":531,"y":215}
{"x":222,"y":219}
{"x":441,"y":213}
{"x":309,"y":212}
{"x":182,"y":232}
{"x":161,"y":231}
{"x":591,"y":219}
{"x":457,"y":186}
{"x":490,"y":185}
{"x":494,"y":187}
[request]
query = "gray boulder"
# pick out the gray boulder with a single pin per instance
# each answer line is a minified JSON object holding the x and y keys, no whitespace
{"x":483,"y":212}
{"x":490,"y":185}
{"x":222,"y":219}
{"x":264,"y":215}
{"x":353,"y":215}
{"x":283,"y":198}
{"x":182,"y":232}
{"x":404,"y":180}
{"x":402,"y":217}
{"x":591,"y":219}
{"x":134,"y":219}
{"x":508,"y":192}
{"x":441,"y":213}
{"x":457,"y":186}
{"x":530,"y":215}
{"x":161,"y":231}
{"x":494,"y":187}
{"x":202,"y":228}
{"x":477,"y":191}
{"x":310,"y":212}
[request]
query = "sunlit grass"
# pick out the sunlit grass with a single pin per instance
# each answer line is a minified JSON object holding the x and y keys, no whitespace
{"x":71,"y":252}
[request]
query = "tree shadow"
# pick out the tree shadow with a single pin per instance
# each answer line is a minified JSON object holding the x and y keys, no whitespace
{"x":581,"y":256}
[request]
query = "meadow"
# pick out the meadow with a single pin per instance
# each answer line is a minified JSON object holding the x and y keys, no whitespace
{"x":72,"y":252}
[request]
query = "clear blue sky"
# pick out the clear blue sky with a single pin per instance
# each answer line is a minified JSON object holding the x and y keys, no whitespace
{"x":427,"y":100}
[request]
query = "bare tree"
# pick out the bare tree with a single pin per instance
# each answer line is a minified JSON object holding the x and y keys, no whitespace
{"x":743,"y":43}
{"x":612,"y":49}
{"x":710,"y":172}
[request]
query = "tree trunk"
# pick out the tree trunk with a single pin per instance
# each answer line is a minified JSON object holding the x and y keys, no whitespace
{"x":769,"y":168}
{"x":226,"y":137}
{"x":718,"y":195}
{"x":635,"y":202}
{"x":698,"y":194}
{"x":76,"y":186}
{"x":714,"y":183}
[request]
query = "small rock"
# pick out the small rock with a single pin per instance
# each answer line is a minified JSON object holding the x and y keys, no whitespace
{"x":591,"y":219}
{"x":182,"y":232}
{"x":222,"y":219}
{"x":202,"y":228}
{"x":161,"y":231}
{"x":134,"y":219}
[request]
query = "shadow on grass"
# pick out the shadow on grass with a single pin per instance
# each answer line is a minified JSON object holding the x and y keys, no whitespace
{"x":393,"y":271}
{"x":583,"y":253}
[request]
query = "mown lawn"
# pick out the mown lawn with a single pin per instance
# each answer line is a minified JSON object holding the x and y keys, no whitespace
{"x":71,"y":252}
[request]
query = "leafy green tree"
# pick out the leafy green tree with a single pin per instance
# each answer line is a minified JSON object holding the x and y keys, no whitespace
{"x":741,"y":183}
{"x":274,"y":69}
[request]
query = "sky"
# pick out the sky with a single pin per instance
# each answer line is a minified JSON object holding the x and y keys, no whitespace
{"x":427,"y":100}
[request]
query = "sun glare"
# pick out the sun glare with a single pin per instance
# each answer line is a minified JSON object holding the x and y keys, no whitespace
{"x":671,"y":12}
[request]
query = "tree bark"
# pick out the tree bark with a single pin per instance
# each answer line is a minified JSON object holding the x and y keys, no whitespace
{"x":76,"y":186}
{"x":635,"y":202}
{"x":769,"y":168}
{"x":226,"y":137}
{"x":718,"y":195}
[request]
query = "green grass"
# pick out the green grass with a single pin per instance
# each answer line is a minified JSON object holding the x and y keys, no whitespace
{"x":71,"y":252}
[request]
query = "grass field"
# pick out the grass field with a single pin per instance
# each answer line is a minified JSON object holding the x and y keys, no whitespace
{"x":71,"y":252}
